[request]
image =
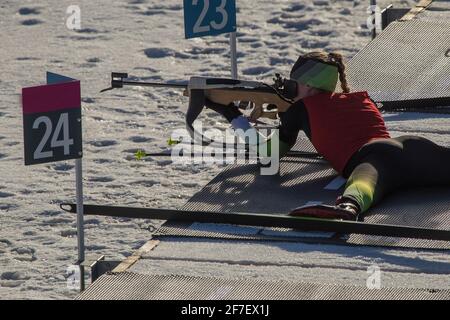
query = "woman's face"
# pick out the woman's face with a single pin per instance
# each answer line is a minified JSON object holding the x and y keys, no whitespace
{"x":304,"y":91}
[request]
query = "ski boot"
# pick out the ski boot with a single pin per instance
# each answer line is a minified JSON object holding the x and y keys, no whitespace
{"x":344,"y":209}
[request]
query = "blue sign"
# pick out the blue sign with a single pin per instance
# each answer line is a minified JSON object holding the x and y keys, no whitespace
{"x":209,"y":17}
{"x":53,"y":78}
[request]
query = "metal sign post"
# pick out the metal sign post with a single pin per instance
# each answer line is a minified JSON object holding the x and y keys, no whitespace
{"x":80,"y":219}
{"x":233,"y":54}
{"x":373,"y":9}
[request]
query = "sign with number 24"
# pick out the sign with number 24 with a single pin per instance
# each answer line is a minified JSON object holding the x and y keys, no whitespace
{"x":52,"y":120}
{"x":209,"y":17}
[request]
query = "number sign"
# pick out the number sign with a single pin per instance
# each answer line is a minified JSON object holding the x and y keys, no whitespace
{"x":209,"y":17}
{"x":52,"y":122}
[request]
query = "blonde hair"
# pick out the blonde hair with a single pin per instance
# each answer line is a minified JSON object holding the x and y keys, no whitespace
{"x":333,"y":58}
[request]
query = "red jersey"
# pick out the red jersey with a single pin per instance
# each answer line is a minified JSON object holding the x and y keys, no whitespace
{"x":341,"y":123}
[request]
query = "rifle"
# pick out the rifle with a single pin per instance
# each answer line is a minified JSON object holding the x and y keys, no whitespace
{"x":267,"y":100}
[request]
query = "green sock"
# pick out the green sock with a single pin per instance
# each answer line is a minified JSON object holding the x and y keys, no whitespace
{"x":361,"y":191}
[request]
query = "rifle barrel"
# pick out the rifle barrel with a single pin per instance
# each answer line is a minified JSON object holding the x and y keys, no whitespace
{"x":154,"y":84}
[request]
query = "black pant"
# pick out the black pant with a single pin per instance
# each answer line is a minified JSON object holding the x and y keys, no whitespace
{"x":383,"y":166}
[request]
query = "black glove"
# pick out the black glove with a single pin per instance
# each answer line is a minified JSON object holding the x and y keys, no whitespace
{"x":290,"y":125}
{"x":230,"y":112}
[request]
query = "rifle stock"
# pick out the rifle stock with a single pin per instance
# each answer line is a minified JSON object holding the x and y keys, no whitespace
{"x":222,"y":91}
{"x":258,"y":97}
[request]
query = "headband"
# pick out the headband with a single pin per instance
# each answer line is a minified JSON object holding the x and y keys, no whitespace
{"x":317,"y":75}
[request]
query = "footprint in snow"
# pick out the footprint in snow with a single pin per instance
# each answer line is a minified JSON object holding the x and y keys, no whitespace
{"x":24,"y":250}
{"x":102,"y":143}
{"x":93,"y":60}
{"x":295,"y":7}
{"x":6,"y":194}
{"x":199,"y":50}
{"x":5,"y":243}
{"x":137,"y":1}
{"x":151,"y":12}
{"x":24,"y":254}
{"x":7,"y":206}
{"x":31,"y":22}
{"x":158,"y":53}
{"x":56,"y":221}
{"x":321,"y":2}
{"x":190,"y":184}
{"x":164,"y":162}
{"x":87,"y":30}
{"x":26,"y":59}
{"x":27,"y":11}
{"x":68,"y":233}
{"x":101,"y":179}
{"x":173,"y":7}
{"x":62,"y":166}
{"x":88,"y":100}
{"x":119,"y":110}
{"x":279,"y":34}
{"x":256,"y":71}
{"x":93,"y":247}
{"x":103,"y":161}
{"x":324,"y":33}
{"x":11,"y":283}
{"x":345,"y":12}
{"x":50,"y":213}
{"x":152,"y":70}
{"x":146,"y":183}
{"x":248,"y":40}
{"x":140,"y":139}
{"x":92,"y":221}
{"x":275,"y":20}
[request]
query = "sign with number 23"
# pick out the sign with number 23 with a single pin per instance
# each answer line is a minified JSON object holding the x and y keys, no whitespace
{"x":209,"y":17}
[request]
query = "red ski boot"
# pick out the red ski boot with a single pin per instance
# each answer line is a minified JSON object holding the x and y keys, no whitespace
{"x":345,"y":209}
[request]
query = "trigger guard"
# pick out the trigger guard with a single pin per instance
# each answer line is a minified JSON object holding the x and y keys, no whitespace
{"x":256,"y":113}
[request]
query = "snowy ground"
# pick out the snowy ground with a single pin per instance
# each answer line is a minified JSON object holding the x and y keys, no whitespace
{"x":146,"y":39}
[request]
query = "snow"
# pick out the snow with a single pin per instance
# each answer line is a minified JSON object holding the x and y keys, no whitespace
{"x":146,"y":39}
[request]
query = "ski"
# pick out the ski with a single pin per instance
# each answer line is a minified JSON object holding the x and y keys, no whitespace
{"x":247,"y":155}
{"x":264,"y":220}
